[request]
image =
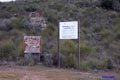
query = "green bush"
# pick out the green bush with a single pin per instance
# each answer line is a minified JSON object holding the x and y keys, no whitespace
{"x":6,"y":49}
{"x":49,"y":36}
{"x":16,"y":23}
{"x":104,"y":64}
{"x":117,"y":31}
{"x":83,"y":3}
{"x":118,"y":35}
{"x":52,"y":16}
{"x":106,"y":33}
{"x":49,"y":31}
{"x":85,"y":48}
{"x":84,"y":65}
{"x":3,"y":35}
{"x":28,"y":60}
{"x":71,"y":60}
{"x":69,"y":50}
{"x":107,"y":36}
{"x":68,"y":46}
{"x":10,"y":50}
{"x":57,"y":5}
{"x":30,"y":8}
{"x":101,"y":64}
{"x":20,"y":50}
{"x":97,"y":28}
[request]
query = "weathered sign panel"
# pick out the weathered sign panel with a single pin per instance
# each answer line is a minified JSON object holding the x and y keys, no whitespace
{"x":32,"y":44}
{"x":68,"y":30}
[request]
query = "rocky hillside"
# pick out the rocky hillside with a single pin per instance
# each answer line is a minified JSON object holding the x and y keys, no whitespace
{"x":99,"y":30}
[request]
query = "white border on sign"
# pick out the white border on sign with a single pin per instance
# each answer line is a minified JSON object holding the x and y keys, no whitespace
{"x":68,"y":30}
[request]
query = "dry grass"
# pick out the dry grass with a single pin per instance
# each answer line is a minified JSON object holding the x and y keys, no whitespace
{"x":8,"y":75}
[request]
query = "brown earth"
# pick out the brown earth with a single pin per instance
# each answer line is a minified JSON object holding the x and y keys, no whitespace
{"x":45,"y":73}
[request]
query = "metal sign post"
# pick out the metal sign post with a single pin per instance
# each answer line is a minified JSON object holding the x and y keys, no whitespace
{"x":69,"y":30}
{"x":58,"y":49}
{"x":79,"y":45}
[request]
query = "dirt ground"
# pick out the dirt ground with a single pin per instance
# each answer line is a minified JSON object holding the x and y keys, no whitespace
{"x":45,"y":73}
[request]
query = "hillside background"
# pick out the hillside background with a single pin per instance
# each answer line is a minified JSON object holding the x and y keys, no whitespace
{"x":99,"y":31}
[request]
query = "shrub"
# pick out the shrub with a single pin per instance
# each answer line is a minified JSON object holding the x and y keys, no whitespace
{"x":6,"y":49}
{"x":97,"y":29}
{"x":117,"y":31}
{"x":16,"y":23}
{"x":118,"y":35}
{"x":20,"y":50}
{"x":7,"y":22}
{"x":69,"y":50}
{"x":107,"y":35}
{"x":52,"y":16}
{"x":48,"y":61}
{"x":2,"y":35}
{"x":26,"y":23}
{"x":70,"y":61}
{"x":107,"y":4}
{"x":57,"y":5}
{"x":30,"y":8}
{"x":85,"y":65}
{"x":101,"y":64}
{"x":5,"y":14}
{"x":30,"y":59}
{"x":85,"y":48}
{"x":83,"y":3}
{"x":68,"y":46}
{"x":3,"y":26}
{"x":49,"y":31}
